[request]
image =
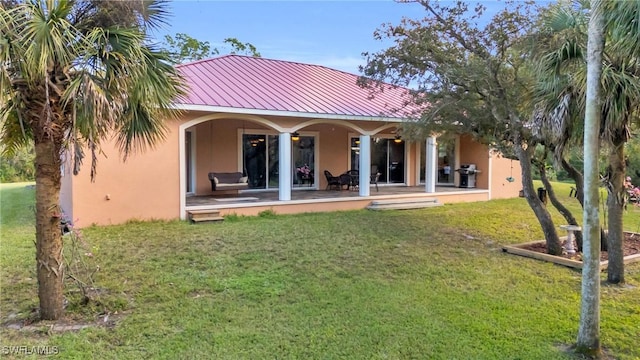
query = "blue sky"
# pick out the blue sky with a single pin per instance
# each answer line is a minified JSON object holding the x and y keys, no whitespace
{"x":329,"y":33}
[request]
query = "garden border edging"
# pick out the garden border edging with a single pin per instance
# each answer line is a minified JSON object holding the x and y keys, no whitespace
{"x":518,"y":250}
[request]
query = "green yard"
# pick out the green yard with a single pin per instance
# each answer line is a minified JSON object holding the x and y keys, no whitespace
{"x":420,"y":284}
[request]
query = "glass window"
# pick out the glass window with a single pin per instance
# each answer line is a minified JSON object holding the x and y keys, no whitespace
{"x":387,"y":158}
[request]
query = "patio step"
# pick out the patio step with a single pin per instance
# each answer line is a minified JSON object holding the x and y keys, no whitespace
{"x":403,"y":204}
{"x":204,"y":215}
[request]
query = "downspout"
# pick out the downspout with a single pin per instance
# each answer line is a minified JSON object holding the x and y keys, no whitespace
{"x":490,"y":175}
{"x":183,"y":172}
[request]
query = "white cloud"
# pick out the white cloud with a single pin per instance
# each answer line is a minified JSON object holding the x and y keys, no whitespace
{"x":345,"y":63}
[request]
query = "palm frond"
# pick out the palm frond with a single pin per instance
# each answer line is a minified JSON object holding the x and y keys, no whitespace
{"x":141,"y":125}
{"x":623,"y":25}
{"x":126,"y":89}
{"x":155,"y":13}
{"x":562,"y":18}
{"x":13,"y":133}
{"x":50,"y":39}
{"x":140,"y":14}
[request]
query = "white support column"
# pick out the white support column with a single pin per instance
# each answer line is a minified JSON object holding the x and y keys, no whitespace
{"x":431,"y":159}
{"x":284,"y":167}
{"x":365,"y":165}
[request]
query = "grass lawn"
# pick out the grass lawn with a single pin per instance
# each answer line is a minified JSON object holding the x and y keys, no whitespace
{"x":413,"y":284}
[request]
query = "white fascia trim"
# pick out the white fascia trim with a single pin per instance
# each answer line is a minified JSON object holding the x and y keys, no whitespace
{"x":231,"y":110}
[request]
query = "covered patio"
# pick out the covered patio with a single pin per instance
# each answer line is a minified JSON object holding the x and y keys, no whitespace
{"x":252,"y":202}
{"x":289,"y":133}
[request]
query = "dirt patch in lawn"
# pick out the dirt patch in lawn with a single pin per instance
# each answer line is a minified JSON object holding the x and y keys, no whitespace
{"x":631,"y":246}
{"x":65,"y":324}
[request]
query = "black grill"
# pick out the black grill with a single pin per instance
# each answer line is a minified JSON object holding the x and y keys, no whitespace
{"x":467,"y":175}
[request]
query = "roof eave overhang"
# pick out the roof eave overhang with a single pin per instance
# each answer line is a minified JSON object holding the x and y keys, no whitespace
{"x":262,"y":112}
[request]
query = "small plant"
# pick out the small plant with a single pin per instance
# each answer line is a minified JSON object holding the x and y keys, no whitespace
{"x":267,"y":213}
{"x":231,"y":217}
{"x":80,"y":266}
{"x":304,"y":170}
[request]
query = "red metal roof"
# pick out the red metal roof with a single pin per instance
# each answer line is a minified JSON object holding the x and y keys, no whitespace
{"x":244,"y":82}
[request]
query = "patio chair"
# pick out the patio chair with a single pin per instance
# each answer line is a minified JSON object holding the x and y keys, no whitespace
{"x":332,"y":181}
{"x":345,"y":180}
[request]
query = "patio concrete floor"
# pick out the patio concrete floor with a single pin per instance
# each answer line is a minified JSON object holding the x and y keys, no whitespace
{"x":302,"y":193}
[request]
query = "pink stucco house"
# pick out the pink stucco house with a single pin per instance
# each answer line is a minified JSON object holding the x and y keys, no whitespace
{"x":273,"y":122}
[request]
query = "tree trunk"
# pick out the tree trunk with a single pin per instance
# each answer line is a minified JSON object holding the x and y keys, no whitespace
{"x":568,"y":216}
{"x":50,"y":266}
{"x":554,"y":246}
{"x":588,"y":341}
{"x":578,"y":179}
{"x":615,"y":209}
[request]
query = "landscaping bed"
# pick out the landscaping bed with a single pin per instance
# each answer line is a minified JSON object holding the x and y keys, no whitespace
{"x":538,"y":250}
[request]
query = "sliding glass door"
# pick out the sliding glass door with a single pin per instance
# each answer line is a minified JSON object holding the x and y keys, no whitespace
{"x":303,"y":152}
{"x":446,"y":160}
{"x":260,"y":154}
{"x":387,"y":158}
{"x":258,"y":159}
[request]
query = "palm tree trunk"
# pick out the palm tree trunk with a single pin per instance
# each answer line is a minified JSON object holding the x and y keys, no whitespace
{"x":50,"y":266}
{"x":554,"y":246}
{"x":588,"y":341}
{"x":615,"y":207}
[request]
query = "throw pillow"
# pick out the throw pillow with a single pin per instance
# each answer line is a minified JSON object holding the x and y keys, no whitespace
{"x":215,"y":179}
{"x":243,"y":179}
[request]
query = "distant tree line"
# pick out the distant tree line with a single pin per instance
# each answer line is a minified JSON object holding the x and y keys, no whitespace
{"x":17,"y":167}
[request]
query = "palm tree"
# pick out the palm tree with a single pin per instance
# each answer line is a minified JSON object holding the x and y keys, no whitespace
{"x":589,"y":329}
{"x":72,"y":73}
{"x":566,"y":76}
